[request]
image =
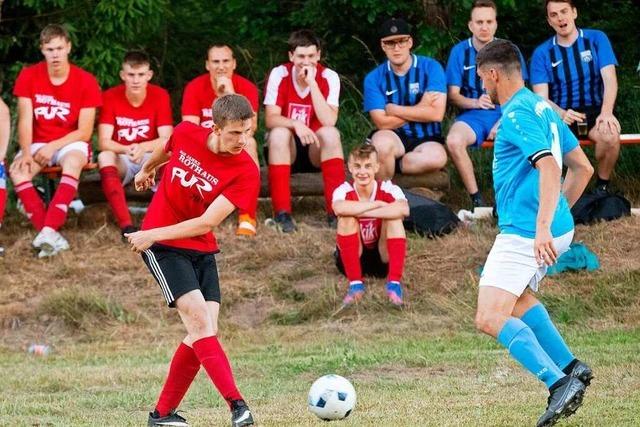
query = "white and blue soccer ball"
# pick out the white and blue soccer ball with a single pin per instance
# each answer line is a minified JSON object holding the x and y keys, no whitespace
{"x":331,"y":397}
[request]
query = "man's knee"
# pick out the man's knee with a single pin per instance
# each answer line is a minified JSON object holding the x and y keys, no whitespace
{"x":197,"y":319}
{"x":456,"y":143}
{"x":384,"y":143}
{"x":607,"y":141}
{"x":347,"y":225}
{"x":486,"y":322}
{"x":329,"y":137}
{"x":107,"y":158}
{"x":279,"y":141}
{"x":394,"y":228}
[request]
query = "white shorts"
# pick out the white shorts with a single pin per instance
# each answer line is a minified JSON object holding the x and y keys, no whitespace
{"x":131,"y":168}
{"x":512,"y":266}
{"x":58,"y":155}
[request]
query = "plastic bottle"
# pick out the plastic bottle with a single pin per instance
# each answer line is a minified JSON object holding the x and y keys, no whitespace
{"x":39,"y":349}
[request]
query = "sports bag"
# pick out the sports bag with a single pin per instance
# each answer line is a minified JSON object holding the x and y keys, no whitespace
{"x":600,"y":205}
{"x":428,"y":217}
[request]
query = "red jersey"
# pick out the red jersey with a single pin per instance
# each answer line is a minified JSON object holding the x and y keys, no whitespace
{"x":135,"y":124}
{"x":283,"y":91}
{"x":370,"y":228}
{"x":193,"y":178}
{"x":56,"y":108}
{"x":198,"y":97}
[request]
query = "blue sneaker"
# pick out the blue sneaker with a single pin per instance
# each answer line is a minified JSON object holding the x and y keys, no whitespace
{"x":394,"y":293}
{"x":354,"y":295}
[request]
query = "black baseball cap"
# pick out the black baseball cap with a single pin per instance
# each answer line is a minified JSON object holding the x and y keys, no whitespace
{"x":394,"y":27}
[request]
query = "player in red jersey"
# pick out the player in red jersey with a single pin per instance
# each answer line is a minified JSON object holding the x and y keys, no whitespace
{"x":301,"y":111}
{"x":201,"y":92}
{"x":135,"y":118}
{"x":5,"y":130}
{"x":56,"y":110}
{"x":371,"y":236}
{"x":207,"y":176}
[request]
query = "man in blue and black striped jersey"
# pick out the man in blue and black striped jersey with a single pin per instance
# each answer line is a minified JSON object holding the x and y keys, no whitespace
{"x":406,"y":99}
{"x":478,"y":119}
{"x":576,"y":70}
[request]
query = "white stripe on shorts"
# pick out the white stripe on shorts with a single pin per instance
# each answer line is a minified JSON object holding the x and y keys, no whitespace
{"x":159,"y":275}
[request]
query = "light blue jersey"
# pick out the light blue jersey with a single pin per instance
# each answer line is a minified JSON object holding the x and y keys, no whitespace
{"x":529,"y":130}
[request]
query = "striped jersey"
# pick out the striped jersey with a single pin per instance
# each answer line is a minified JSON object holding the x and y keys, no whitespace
{"x":383,"y":86}
{"x":573,"y":72}
{"x":462,"y":72}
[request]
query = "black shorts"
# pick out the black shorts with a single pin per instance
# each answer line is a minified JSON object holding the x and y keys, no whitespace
{"x":408,"y":142}
{"x":592,"y":114}
{"x":370,"y":262}
{"x":179,"y":271}
{"x":302,"y":163}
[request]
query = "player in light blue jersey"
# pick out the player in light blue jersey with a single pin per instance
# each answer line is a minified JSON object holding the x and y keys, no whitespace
{"x":478,"y":116}
{"x":532,"y":144}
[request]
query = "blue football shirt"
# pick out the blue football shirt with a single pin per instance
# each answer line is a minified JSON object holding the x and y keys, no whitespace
{"x":528,"y":129}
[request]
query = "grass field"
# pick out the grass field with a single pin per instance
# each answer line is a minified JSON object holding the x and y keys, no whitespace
{"x":112,"y":338}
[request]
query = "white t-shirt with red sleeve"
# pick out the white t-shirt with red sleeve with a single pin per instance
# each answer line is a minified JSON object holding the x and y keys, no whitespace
{"x":370,"y":228}
{"x":283,"y":90}
{"x":198,"y":97}
{"x":193,"y":178}
{"x":136,"y":124}
{"x":56,"y":108}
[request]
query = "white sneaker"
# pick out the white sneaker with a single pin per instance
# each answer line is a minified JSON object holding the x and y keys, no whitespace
{"x":52,"y":244}
{"x":43,"y":236}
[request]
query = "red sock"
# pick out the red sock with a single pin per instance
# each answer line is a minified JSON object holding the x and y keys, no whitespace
{"x":113,"y":191}
{"x":57,"y":210}
{"x":32,"y":203}
{"x":3,"y":200}
{"x":332,"y":177}
{"x":397,"y":248}
{"x":183,"y":369}
{"x":279,"y":177}
{"x":349,"y":246}
{"x":215,"y":362}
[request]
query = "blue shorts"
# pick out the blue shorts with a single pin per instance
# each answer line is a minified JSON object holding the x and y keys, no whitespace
{"x":481,"y":122}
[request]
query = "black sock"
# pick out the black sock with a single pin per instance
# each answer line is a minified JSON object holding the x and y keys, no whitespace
{"x":567,"y":369}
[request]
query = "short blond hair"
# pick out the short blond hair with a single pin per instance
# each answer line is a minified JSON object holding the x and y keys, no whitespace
{"x":53,"y":31}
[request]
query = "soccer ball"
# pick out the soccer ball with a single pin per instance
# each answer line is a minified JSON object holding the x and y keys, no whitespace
{"x":331,"y":397}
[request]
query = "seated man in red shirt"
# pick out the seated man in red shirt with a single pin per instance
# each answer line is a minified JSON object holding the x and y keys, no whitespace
{"x":56,"y":110}
{"x":301,"y":111}
{"x":135,"y":118}
{"x":200,"y":93}
{"x":371,"y":236}
{"x":5,"y":130}
{"x":208,"y":174}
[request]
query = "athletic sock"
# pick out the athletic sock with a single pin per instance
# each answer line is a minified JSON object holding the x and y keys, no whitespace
{"x":3,"y":198}
{"x":57,"y":210}
{"x":182,"y":371}
{"x":397,"y":248}
{"x":215,"y":362}
{"x":279,"y":189}
{"x":32,"y":203}
{"x":537,"y":318}
{"x":113,"y":191}
{"x":332,"y":177}
{"x":349,"y":246}
{"x":521,"y":342}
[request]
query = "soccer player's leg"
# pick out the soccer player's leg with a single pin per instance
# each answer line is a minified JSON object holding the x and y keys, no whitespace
{"x":349,"y":251}
{"x":427,"y":157}
{"x":113,"y":168}
{"x":22,"y":177}
{"x":607,"y":141}
{"x":390,"y":148}
{"x":329,"y":157}
{"x":465,"y":132}
{"x":393,"y":248}
{"x":247,"y":218}
{"x":532,"y":312}
{"x":282,"y":153}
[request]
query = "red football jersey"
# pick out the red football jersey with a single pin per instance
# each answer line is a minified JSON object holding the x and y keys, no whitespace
{"x":56,"y":108}
{"x":370,"y":228}
{"x":283,"y":91}
{"x":198,"y":97}
{"x":193,"y":178}
{"x":135,"y":124}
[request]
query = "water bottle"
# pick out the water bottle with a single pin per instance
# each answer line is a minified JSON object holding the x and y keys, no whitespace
{"x":39,"y":349}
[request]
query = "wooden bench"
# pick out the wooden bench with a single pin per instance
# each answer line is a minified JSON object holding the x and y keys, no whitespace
{"x":52,"y":173}
{"x":625,"y":139}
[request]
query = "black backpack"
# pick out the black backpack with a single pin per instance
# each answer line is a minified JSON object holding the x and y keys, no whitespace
{"x":600,"y":205}
{"x":428,"y":217}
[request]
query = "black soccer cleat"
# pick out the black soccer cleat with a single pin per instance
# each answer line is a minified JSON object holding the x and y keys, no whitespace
{"x":565,"y":397}
{"x":580,"y":370}
{"x":171,"y":420}
{"x":284,"y":222}
{"x":240,"y":414}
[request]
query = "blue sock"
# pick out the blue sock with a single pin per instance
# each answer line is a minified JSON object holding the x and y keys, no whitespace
{"x":521,"y":342}
{"x":537,"y":318}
